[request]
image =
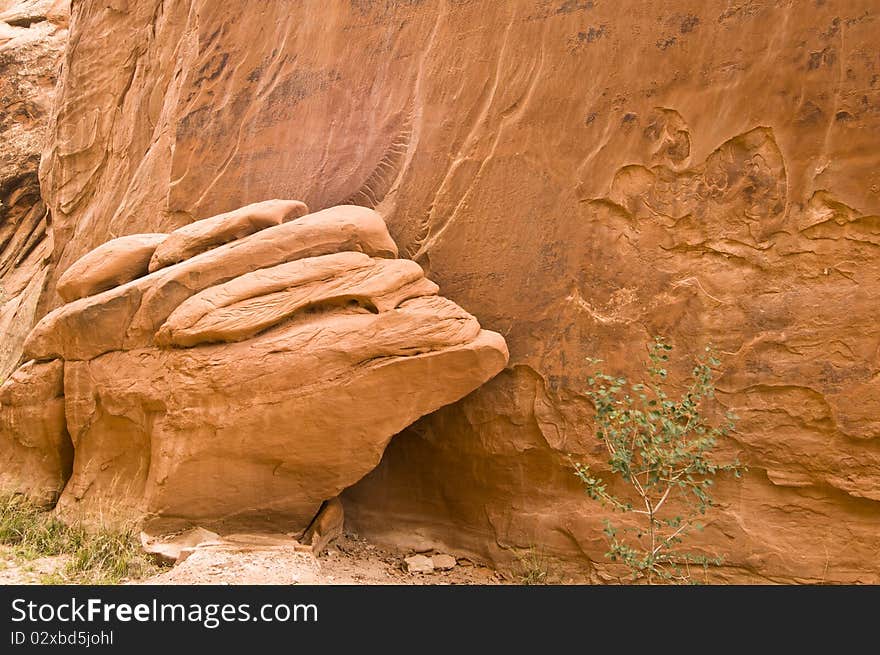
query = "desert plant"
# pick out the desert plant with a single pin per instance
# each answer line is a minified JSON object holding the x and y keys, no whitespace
{"x":532,"y":567}
{"x":94,"y":555}
{"x":109,"y":555}
{"x":660,"y":448}
{"x":32,"y":531}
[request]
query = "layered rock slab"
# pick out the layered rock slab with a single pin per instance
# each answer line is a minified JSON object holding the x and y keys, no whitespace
{"x":252,"y":302}
{"x":128,"y":316}
{"x":208,"y":233}
{"x":116,"y":262}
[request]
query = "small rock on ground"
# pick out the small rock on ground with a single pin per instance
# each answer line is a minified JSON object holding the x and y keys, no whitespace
{"x":419,"y":564}
{"x":443,"y":562}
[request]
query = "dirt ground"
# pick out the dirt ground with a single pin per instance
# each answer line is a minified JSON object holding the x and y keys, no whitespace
{"x":14,"y":570}
{"x":348,"y":561}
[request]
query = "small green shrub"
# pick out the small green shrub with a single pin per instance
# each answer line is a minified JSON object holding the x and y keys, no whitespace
{"x":94,"y":556}
{"x":660,"y":448}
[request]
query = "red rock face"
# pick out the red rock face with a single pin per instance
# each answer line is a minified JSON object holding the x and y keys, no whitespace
{"x":580,"y":176}
{"x":32,"y":38}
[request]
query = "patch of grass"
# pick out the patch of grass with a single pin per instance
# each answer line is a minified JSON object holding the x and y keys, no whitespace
{"x":30,"y":530}
{"x":94,"y":556}
{"x":532,"y":568}
{"x":53,"y":578}
{"x":109,"y":556}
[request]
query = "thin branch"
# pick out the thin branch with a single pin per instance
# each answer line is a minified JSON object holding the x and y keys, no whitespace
{"x":663,"y":499}
{"x":672,"y":536}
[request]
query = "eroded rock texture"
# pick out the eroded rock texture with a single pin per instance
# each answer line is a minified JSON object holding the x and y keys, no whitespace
{"x":580,"y":175}
{"x":243,"y":383}
{"x":32,"y":38}
{"x":36,"y":449}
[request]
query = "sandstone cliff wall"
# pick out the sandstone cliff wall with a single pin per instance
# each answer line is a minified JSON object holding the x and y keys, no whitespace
{"x":33,"y":34}
{"x":577,"y":174}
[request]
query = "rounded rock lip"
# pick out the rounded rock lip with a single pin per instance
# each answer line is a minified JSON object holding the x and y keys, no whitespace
{"x":108,"y":266}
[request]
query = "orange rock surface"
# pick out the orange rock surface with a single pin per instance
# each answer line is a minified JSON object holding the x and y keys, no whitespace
{"x":580,"y":175}
{"x":33,"y":34}
{"x":116,"y":262}
{"x":35,"y":448}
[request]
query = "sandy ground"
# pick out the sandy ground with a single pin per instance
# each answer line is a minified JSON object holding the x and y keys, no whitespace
{"x":14,"y":570}
{"x":349,"y":560}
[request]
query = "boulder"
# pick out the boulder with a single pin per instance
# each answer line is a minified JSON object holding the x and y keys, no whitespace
{"x":242,"y":388}
{"x":116,"y":262}
{"x":233,"y":433}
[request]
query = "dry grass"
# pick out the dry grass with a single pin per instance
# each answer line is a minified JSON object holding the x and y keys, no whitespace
{"x":533,"y":567}
{"x":101,"y":555}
